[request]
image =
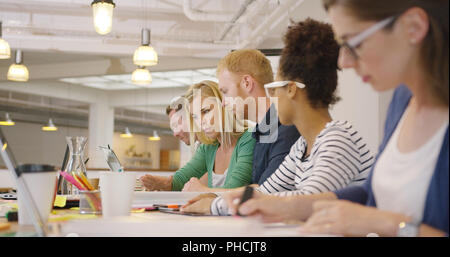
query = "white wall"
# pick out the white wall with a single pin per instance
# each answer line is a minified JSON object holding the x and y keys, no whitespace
{"x":362,"y":106}
{"x":6,"y":180}
{"x":185,"y":154}
{"x":32,"y":145}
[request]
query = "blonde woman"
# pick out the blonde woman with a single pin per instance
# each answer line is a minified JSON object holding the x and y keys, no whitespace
{"x":225,"y":157}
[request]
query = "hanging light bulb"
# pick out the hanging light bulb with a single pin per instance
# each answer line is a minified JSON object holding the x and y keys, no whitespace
{"x":145,"y":55}
{"x":7,"y":122}
{"x":5,"y":50}
{"x":103,"y":12}
{"x":50,"y":126}
{"x":17,"y":71}
{"x":127,"y":133}
{"x":155,"y":136}
{"x":141,"y":76}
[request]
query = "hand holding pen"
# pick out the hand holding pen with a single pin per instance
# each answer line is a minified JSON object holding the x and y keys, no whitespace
{"x":269,"y":208}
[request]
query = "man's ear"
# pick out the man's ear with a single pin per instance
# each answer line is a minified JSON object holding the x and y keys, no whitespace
{"x":248,"y":83}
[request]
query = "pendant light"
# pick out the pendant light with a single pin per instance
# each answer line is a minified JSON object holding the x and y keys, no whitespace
{"x":155,"y":136}
{"x":7,"y":122}
{"x":141,"y":76}
{"x":17,"y":71}
{"x":103,"y":12}
{"x":145,"y":55}
{"x":50,"y":126}
{"x":5,"y":50}
{"x":127,"y":133}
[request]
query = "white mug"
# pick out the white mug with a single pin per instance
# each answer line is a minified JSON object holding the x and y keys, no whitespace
{"x":116,"y":189}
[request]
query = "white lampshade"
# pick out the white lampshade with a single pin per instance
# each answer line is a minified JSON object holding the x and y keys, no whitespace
{"x":5,"y":50}
{"x":7,"y":122}
{"x":141,"y":76}
{"x":127,"y":133}
{"x":18,"y":72}
{"x":50,"y":126}
{"x":155,"y":136}
{"x":103,"y":13}
{"x":145,"y":56}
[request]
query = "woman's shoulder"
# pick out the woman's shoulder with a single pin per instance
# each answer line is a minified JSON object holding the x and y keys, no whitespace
{"x":246,"y":136}
{"x":246,"y":140}
{"x":204,"y":148}
{"x":340,"y":130}
{"x":337,"y":127}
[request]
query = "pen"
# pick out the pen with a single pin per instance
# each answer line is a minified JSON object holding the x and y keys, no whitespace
{"x":69,"y":178}
{"x":248,"y":193}
{"x":84,"y":180}
{"x":171,"y":206}
{"x":63,"y":165}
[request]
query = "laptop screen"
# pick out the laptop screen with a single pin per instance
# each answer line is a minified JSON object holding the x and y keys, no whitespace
{"x":6,"y":153}
{"x":11,"y":164}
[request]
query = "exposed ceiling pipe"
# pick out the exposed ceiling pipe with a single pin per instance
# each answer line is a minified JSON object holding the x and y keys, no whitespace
{"x":266,"y":28}
{"x":196,"y":15}
{"x":235,"y":18}
{"x":42,"y":105}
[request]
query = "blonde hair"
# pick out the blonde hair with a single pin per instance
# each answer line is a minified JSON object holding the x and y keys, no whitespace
{"x":228,"y":130}
{"x":248,"y":61}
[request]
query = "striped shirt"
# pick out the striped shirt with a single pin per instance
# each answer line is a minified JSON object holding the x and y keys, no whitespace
{"x":339,"y":157}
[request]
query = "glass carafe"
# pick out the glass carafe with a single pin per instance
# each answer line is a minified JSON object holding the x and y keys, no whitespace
{"x":75,"y":165}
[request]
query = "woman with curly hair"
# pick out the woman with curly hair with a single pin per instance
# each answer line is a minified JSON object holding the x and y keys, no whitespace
{"x":329,"y":154}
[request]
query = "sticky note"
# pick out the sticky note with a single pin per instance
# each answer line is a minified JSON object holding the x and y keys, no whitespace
{"x":60,"y":201}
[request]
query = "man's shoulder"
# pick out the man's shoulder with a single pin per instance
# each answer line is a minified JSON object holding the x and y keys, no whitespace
{"x":288,"y":132}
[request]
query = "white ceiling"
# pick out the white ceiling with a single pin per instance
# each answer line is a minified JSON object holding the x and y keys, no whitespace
{"x":161,"y":79}
{"x":188,"y":28}
{"x":59,"y":40}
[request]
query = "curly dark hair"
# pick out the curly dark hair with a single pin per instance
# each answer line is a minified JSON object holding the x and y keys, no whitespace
{"x":311,"y":56}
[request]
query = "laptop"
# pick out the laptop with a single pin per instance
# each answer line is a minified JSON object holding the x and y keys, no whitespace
{"x":11,"y":165}
{"x":111,"y":159}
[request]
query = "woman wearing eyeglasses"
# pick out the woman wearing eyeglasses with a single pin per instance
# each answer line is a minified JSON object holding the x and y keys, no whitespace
{"x":388,"y":43}
{"x":330,"y":154}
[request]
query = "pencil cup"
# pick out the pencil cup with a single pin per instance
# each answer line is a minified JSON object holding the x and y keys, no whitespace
{"x":90,"y":202}
{"x":117,"y":193}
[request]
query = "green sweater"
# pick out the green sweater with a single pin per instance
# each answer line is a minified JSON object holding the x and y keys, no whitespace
{"x":239,"y":170}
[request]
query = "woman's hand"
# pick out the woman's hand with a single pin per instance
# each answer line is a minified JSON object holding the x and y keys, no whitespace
{"x":200,"y":204}
{"x":194,"y":185}
{"x":266,"y":207}
{"x":157,"y":183}
{"x":345,"y":218}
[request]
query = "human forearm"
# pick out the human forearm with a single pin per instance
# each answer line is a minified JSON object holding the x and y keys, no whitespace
{"x":167,"y":184}
{"x":158,"y":183}
{"x":301,"y":206}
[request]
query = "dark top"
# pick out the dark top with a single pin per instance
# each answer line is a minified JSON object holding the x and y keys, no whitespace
{"x":273,"y":143}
